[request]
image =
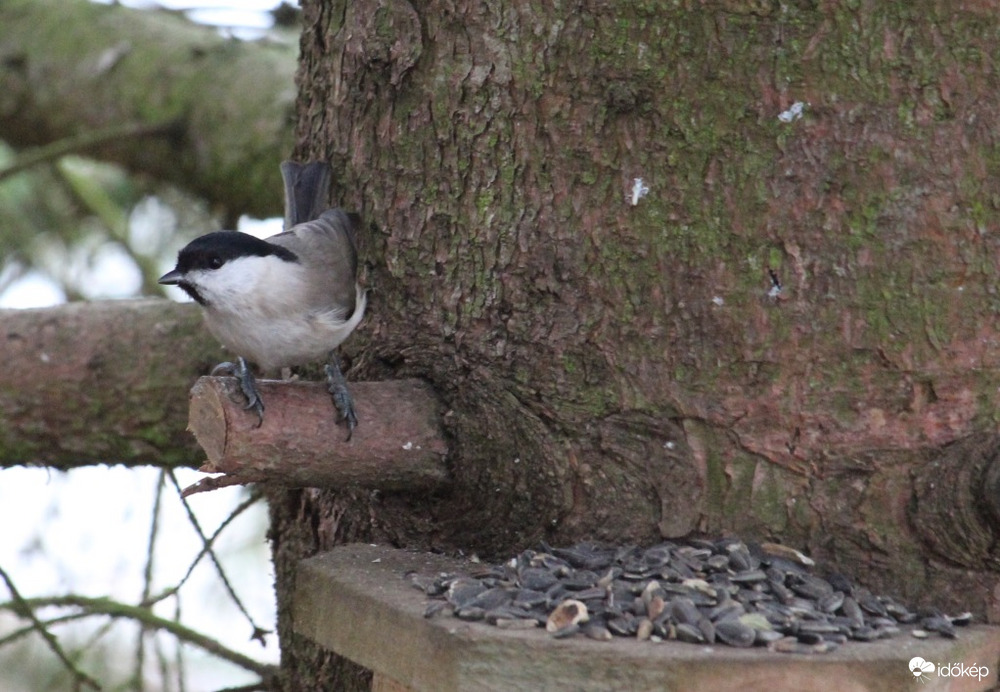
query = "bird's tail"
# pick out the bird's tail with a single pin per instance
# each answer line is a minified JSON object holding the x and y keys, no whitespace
{"x":306,"y":188}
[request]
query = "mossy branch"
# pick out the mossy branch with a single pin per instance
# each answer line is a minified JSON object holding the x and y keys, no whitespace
{"x":103,"y":382}
{"x":25,"y":607}
{"x":124,"y":65}
{"x":85,"y":141}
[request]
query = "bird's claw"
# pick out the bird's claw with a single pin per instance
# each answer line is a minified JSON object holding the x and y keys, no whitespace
{"x":248,"y":385}
{"x":226,"y":368}
{"x":342,"y":399}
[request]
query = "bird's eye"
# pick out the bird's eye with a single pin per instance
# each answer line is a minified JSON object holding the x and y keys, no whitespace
{"x":214,"y":262}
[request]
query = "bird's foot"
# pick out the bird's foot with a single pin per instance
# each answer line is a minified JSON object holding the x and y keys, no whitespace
{"x":248,"y":384}
{"x":342,"y":399}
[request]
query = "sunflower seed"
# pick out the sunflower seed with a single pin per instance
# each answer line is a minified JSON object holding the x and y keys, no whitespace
{"x":728,"y":591}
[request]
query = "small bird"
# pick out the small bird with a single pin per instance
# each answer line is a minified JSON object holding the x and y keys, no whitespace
{"x":287,"y":300}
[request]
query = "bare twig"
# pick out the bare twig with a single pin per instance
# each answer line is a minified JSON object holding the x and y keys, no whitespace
{"x":178,"y":653}
{"x":147,"y":576}
{"x":258,"y":632}
{"x":24,"y":631}
{"x":24,"y":608}
{"x":205,"y":548}
{"x":210,"y":483}
{"x":144,"y":616}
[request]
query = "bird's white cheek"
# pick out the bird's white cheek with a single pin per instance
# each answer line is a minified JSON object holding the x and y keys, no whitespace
{"x":231,"y":286}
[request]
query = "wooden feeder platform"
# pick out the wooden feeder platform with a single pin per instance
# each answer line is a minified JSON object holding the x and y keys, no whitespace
{"x":356,"y":602}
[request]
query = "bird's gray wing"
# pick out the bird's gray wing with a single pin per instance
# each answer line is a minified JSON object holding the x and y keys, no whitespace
{"x":306,"y":188}
{"x":327,"y":246}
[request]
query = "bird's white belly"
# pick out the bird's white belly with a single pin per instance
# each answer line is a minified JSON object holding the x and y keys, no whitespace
{"x":280,"y":341}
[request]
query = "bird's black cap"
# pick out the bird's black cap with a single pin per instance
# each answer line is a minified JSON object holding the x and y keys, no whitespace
{"x":213,"y":250}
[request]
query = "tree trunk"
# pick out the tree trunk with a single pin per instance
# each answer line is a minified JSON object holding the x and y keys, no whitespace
{"x":779,"y":338}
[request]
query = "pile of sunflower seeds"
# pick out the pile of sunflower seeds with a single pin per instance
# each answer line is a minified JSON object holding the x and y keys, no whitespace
{"x":701,"y":592}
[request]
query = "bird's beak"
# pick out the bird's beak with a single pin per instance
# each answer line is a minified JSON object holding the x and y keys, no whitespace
{"x":171,"y":278}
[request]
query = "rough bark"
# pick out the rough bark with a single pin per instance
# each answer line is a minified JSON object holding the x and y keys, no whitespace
{"x":101,"y":383}
{"x":70,"y":67}
{"x":623,"y":370}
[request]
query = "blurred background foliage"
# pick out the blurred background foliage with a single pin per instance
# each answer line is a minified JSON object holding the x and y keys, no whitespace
{"x":74,"y":227}
{"x":76,"y":224}
{"x":89,"y":230}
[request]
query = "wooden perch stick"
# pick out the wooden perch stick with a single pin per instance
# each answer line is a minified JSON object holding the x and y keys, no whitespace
{"x":396,"y":446}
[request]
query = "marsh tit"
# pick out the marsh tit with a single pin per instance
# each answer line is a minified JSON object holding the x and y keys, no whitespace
{"x":287,"y":300}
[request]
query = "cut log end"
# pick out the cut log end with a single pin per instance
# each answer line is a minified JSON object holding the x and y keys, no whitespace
{"x":956,"y":502}
{"x":397,"y":445}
